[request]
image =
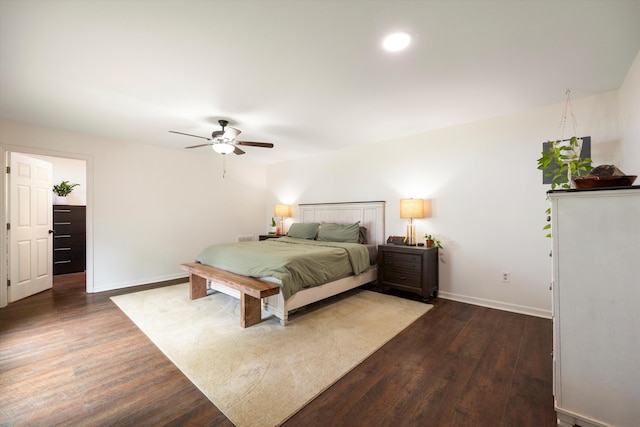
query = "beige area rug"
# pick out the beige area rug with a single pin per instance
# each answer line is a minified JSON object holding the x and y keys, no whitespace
{"x":262,"y":375}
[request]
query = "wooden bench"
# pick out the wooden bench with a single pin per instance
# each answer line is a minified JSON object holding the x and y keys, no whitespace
{"x":251,"y":290}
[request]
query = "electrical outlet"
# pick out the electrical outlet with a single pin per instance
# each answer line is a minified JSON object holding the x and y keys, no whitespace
{"x":506,"y":277}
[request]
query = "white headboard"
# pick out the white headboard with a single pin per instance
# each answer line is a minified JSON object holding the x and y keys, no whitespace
{"x":370,"y":215}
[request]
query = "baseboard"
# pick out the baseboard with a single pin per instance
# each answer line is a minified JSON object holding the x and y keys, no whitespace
{"x":514,"y":308}
{"x":499,"y":305}
{"x":148,"y":281}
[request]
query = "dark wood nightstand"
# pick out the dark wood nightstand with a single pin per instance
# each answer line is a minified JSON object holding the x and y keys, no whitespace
{"x":269,"y":236}
{"x":408,"y":268}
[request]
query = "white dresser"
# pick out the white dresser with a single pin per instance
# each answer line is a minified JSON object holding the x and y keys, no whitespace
{"x":596,"y":306}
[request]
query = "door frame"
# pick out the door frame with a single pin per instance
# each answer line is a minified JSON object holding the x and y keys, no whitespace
{"x":4,"y":208}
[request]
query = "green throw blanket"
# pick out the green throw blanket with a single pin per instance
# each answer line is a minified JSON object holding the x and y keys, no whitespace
{"x":298,"y":263}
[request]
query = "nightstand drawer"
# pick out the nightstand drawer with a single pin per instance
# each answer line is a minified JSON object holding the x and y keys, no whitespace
{"x":402,"y":261}
{"x":402,"y":277}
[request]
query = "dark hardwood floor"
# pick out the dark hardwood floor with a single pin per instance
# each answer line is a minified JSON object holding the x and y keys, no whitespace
{"x":68,"y":358}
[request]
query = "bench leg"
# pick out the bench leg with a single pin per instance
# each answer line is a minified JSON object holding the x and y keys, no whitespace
{"x":251,"y":310}
{"x":197,"y":286}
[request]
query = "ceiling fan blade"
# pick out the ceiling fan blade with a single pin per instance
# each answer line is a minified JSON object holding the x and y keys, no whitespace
{"x":238,"y":151}
{"x":199,"y":145}
{"x":188,"y":134}
{"x":230,"y":133}
{"x":255,"y":144}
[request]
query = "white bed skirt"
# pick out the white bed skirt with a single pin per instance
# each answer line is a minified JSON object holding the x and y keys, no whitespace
{"x":277,"y":306}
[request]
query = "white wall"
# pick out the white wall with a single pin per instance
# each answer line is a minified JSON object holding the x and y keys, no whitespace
{"x":72,"y":170}
{"x":487,"y":196}
{"x":153,"y":208}
{"x":150,"y":208}
{"x":630,"y":121}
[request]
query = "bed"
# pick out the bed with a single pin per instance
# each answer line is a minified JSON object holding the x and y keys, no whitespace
{"x":369,"y":215}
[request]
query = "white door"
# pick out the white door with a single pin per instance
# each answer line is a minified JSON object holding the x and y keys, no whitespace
{"x":30,"y":221}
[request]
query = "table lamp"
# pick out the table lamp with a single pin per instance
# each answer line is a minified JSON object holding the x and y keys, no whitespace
{"x":411,"y":208}
{"x":281,"y":211}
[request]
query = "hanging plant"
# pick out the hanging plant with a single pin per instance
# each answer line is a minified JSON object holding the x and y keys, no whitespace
{"x":565,"y":162}
{"x":561,"y":161}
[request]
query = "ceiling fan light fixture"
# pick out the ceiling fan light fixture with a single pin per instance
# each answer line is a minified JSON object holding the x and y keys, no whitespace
{"x":396,"y":42}
{"x":223,"y":148}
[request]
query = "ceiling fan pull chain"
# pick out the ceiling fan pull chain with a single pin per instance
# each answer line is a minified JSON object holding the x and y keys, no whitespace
{"x":224,"y":165}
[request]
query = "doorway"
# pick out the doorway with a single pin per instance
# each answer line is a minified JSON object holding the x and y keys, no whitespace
{"x":66,"y":167}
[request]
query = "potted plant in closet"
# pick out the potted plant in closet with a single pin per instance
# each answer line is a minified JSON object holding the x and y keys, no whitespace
{"x":431,"y":241}
{"x":62,"y":190}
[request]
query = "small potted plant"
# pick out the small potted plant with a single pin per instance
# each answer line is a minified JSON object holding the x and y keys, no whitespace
{"x":431,"y":241}
{"x":63,"y":189}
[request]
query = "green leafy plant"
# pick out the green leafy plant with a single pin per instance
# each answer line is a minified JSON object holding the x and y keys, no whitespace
{"x":565,"y":162}
{"x":64,"y":188}
{"x":548,"y":225}
{"x":435,"y":241}
{"x":273,"y":222}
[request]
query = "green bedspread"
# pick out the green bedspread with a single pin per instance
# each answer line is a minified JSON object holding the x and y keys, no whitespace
{"x":298,"y":263}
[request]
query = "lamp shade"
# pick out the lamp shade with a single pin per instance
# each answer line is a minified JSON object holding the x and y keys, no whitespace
{"x":411,"y":208}
{"x":282,"y":210}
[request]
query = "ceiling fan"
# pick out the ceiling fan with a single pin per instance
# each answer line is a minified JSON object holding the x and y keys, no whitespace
{"x":224,"y":141}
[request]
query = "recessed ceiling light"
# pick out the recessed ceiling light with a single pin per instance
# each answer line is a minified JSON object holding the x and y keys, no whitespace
{"x":396,"y":42}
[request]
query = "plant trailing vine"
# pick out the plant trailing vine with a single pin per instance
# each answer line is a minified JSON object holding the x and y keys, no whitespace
{"x":562,"y":161}
{"x":565,"y":161}
{"x":566,"y":164}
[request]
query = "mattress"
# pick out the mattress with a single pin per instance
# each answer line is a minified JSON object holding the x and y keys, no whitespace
{"x":296,"y":263}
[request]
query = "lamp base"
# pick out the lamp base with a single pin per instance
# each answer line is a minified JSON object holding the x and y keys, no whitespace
{"x":411,"y":235}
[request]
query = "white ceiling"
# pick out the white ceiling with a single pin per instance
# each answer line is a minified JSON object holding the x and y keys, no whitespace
{"x":309,"y":76}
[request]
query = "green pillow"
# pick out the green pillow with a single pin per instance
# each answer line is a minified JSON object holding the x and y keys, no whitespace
{"x":339,"y":232}
{"x":304,"y":230}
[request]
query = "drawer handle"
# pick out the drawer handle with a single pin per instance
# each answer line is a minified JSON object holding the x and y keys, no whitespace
{"x":64,"y":235}
{"x":401,"y":277}
{"x":62,"y":249}
{"x":62,"y":210}
{"x":61,"y":223}
{"x":62,"y":262}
